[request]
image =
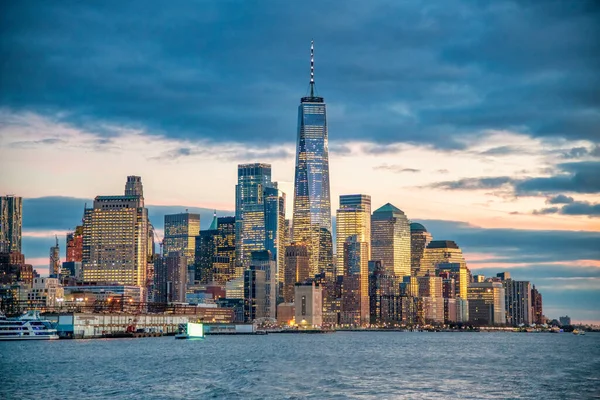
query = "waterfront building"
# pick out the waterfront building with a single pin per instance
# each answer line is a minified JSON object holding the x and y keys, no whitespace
{"x":517,"y":300}
{"x":308,"y":302}
{"x":391,"y":240}
{"x":312,"y":204}
{"x":216,"y":244}
{"x":255,"y":300}
{"x":115,"y":238}
{"x":106,"y":292}
{"x":296,"y":269}
{"x":180,"y":236}
{"x":459,"y":273}
{"x":286,"y":314}
{"x":486,"y":303}
{"x":250,"y":210}
{"x":54,"y":264}
{"x":353,"y":218}
{"x":355,"y":286}
{"x":11,"y":222}
{"x":536,"y":306}
{"x":331,"y":297}
{"x":419,"y":240}
{"x":430,"y":291}
{"x":47,"y":291}
{"x":75,"y":245}
{"x":384,"y":293}
{"x":566,"y":320}
{"x":263,"y":260}
{"x":275,"y":229}
{"x":170,"y":278}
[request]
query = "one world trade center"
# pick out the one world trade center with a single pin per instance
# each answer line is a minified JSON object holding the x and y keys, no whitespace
{"x":312,"y":203}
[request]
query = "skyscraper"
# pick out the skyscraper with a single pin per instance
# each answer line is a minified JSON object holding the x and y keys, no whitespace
{"x":180,"y":236}
{"x":536,"y":306}
{"x":11,"y":222}
{"x":353,"y":218}
{"x":170,"y":277}
{"x":275,"y":228}
{"x":517,"y":295}
{"x":54,"y":265}
{"x":263,"y":260}
{"x":312,"y":204}
{"x":419,"y":239}
{"x":486,"y":303}
{"x":75,"y":245}
{"x":445,"y":255}
{"x":250,"y":210}
{"x":115,"y":238}
{"x":296,"y":269}
{"x":355,"y":287}
{"x":216,"y":244}
{"x":391,"y":240}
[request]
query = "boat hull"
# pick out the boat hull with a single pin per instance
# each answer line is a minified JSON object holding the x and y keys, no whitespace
{"x":38,"y":337}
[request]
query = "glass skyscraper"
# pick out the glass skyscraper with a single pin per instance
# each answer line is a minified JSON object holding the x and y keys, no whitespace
{"x":11,"y":221}
{"x":312,"y":203}
{"x":180,"y":234}
{"x":390,"y":240}
{"x":419,"y":240}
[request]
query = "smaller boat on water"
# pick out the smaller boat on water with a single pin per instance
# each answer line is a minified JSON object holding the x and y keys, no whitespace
{"x":29,"y":326}
{"x":190,"y":330}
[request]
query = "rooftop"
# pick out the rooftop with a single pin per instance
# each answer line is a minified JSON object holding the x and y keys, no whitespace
{"x":442,"y":244}
{"x":417,"y":227}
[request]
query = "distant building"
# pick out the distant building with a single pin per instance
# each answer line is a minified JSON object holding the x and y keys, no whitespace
{"x":170,"y":278}
{"x":384,"y":293}
{"x":430,"y":292}
{"x":286,"y":314}
{"x":106,"y":292}
{"x":503,"y":275}
{"x":234,"y":289}
{"x":296,"y":269}
{"x":536,"y":306}
{"x":517,"y":302}
{"x":115,"y":238}
{"x":478,"y":278}
{"x":49,"y":291}
{"x":180,"y":235}
{"x":459,"y":273}
{"x":308,"y":302}
{"x":264,"y":261}
{"x":73,"y":268}
{"x":255,"y":299}
{"x":216,"y":244}
{"x":566,"y":320}
{"x":11,"y":222}
{"x":486,"y":303}
{"x":54,"y":264}
{"x":446,"y":256}
{"x":353,"y":218}
{"x":355,"y":287}
{"x":391,"y":240}
{"x":419,"y":240}
{"x":75,"y":245}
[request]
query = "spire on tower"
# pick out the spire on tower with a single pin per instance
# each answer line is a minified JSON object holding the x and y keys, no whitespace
{"x":312,"y":68}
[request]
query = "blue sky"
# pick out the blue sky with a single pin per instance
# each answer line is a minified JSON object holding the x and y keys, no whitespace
{"x":479,"y":119}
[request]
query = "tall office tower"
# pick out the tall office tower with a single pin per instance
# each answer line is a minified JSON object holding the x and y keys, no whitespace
{"x":216,"y":244}
{"x":54,"y":265}
{"x":459,"y":273}
{"x":384,"y":295}
{"x":419,"y":240}
{"x":486,"y":303}
{"x":536,"y":306}
{"x":391,"y":240}
{"x":503,"y":275}
{"x":150,"y":261}
{"x":11,"y":222}
{"x":353,"y":218}
{"x":170,"y":278}
{"x":308,"y":300}
{"x":288,"y":232}
{"x":275,"y":228}
{"x":255,"y":298}
{"x":133,"y":187}
{"x":355,"y":288}
{"x":430,"y":291}
{"x":296,"y":269}
{"x":263,"y":260}
{"x":115,"y":239}
{"x":448,"y":285}
{"x":75,"y":245}
{"x":430,"y":286}
{"x":440,"y":256}
{"x":409,"y":286}
{"x":250,"y":210}
{"x":517,"y":300}
{"x":180,"y":235}
{"x":312,"y":204}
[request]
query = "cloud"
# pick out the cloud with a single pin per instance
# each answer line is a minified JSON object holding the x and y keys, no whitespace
{"x":504,"y":151}
{"x":474,"y":183}
{"x":438,"y":73}
{"x":573,"y":208}
{"x":395,"y":168}
{"x":559,"y":199}
{"x":226,"y":152}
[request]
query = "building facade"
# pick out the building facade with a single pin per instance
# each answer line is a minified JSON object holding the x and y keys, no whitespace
{"x":75,"y":245}
{"x":216,"y":244}
{"x":180,"y":234}
{"x":263,"y":260}
{"x":312,"y":203}
{"x":170,"y":278}
{"x":355,"y":286}
{"x":255,"y":301}
{"x":11,"y":223}
{"x":296,"y":269}
{"x":486,"y":303}
{"x":115,"y":239}
{"x":353,"y":218}
{"x":308,"y":304}
{"x":536,"y":306}
{"x":391,"y":240}
{"x":517,"y":300}
{"x":419,"y":240}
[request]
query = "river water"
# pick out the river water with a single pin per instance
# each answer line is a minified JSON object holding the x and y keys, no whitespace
{"x":360,"y":365}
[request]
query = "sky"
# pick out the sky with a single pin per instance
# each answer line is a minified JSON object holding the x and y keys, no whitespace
{"x":480,"y":120}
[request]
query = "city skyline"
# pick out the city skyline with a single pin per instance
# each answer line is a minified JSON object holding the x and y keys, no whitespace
{"x":514,"y":195}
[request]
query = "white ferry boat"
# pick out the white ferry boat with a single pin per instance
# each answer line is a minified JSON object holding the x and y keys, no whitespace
{"x":26,"y":327}
{"x":190,"y":331}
